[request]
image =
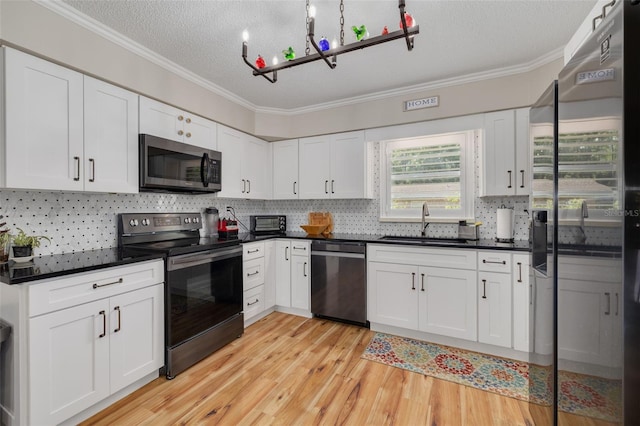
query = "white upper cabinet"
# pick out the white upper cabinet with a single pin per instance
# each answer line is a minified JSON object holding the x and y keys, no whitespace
{"x":246,"y":165}
{"x":285,"y":170}
{"x":110,"y":138}
{"x":333,"y":166}
{"x":43,"y":124}
{"x":167,"y":122}
{"x":505,"y":158}
{"x":66,"y":131}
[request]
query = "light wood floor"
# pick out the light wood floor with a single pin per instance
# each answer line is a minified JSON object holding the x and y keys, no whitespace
{"x":287,"y":370}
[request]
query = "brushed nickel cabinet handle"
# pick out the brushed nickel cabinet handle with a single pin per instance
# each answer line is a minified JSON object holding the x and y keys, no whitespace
{"x":326,"y":182}
{"x":299,"y":248}
{"x":117,"y":309}
{"x":413,"y":281}
{"x":244,"y":186}
{"x":509,"y":171}
{"x":253,"y":273}
{"x":249,"y":190}
{"x":77,"y":176}
{"x":294,"y":188}
{"x":253,"y":251}
{"x":93,"y":170}
{"x":332,"y":182}
{"x":522,"y":176}
{"x":96,"y":285}
{"x":104,"y":324}
{"x":608,"y":311}
{"x":252,"y":303}
{"x":519,"y":272}
{"x":422,"y":279}
{"x":286,"y":253}
{"x":304,"y":269}
{"x":484,"y":289}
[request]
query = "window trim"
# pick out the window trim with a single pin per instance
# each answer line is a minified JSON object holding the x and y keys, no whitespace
{"x":467,"y":177}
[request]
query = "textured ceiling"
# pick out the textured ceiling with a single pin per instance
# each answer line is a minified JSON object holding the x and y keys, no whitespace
{"x":457,"y":38}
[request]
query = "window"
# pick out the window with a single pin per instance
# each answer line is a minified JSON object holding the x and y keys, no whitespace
{"x":437,"y":169}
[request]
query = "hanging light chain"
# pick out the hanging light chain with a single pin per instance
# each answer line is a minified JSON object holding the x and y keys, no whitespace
{"x":341,"y":22}
{"x":307,"y":49}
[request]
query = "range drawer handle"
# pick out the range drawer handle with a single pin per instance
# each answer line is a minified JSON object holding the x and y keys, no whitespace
{"x":253,"y":303}
{"x":96,"y":285}
{"x":253,"y":273}
{"x":503,"y":262}
{"x":253,"y":251}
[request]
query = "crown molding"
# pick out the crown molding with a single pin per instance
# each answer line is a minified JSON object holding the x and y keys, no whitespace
{"x":104,"y":31}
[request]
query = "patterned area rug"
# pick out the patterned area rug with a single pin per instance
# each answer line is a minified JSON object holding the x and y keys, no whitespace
{"x":580,"y":394}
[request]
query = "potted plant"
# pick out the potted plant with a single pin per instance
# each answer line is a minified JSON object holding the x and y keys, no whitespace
{"x":5,"y":239}
{"x":24,"y":244}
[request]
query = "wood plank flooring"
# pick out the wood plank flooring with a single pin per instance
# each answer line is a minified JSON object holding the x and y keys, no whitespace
{"x":287,"y":370}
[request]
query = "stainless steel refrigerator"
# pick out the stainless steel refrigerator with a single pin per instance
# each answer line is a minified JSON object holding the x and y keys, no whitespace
{"x":593,"y":257}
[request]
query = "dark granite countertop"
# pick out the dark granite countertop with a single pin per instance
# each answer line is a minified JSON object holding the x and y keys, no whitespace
{"x":58,"y":265}
{"x":373,"y":238}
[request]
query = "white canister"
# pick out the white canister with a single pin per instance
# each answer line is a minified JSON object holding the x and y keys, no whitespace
{"x":504,"y":224}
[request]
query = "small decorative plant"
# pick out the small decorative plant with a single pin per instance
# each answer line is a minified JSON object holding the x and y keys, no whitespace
{"x":24,"y":244}
{"x":5,"y":239}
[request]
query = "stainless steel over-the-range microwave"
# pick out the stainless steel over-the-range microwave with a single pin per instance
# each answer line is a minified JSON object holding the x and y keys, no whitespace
{"x":170,"y":166}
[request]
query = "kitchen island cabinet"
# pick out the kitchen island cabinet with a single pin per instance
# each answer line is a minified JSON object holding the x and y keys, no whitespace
{"x":83,"y":341}
{"x":66,"y":131}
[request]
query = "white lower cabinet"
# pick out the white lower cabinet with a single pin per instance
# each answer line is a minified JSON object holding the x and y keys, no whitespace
{"x":259,"y":283}
{"x":494,"y":308}
{"x":293,"y":276}
{"x":81,"y":355}
{"x":82,"y":341}
{"x":522,"y":288}
{"x":419,"y":295}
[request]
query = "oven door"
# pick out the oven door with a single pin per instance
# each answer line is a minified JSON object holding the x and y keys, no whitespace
{"x":203,"y":290}
{"x":167,"y":165}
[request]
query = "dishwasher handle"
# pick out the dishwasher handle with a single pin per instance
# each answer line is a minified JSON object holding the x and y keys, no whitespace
{"x":338,"y":254}
{"x":338,"y":247}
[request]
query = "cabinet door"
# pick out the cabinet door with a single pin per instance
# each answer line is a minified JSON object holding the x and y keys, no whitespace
{"x":392,"y":294}
{"x":161,"y":120}
{"x":43,"y":128}
{"x":522,"y":303}
{"x":523,"y":164}
{"x":587,"y":311}
{"x":283,"y":273}
{"x":231,"y":144}
{"x":348,"y":165}
{"x":69,"y":362}
{"x":136,"y":328}
{"x":256,"y":166}
{"x":314,"y":168}
{"x":448,"y":303}
{"x":285,"y":170}
{"x":499,"y":174}
{"x":300,"y":282}
{"x":494,"y":308}
{"x":269,"y":274}
{"x":110,"y":138}
{"x":200,"y":132}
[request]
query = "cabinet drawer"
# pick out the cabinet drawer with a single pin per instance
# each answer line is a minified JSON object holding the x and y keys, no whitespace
{"x":253,"y":273}
{"x":253,"y":302}
{"x":252,"y":251}
{"x":300,"y":248}
{"x":494,"y":261}
{"x":52,"y":295}
{"x":422,"y":256}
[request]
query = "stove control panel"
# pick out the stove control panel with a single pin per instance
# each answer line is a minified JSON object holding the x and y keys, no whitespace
{"x":142,"y":223}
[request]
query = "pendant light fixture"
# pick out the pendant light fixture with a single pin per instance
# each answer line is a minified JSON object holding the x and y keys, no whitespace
{"x":408,"y":29}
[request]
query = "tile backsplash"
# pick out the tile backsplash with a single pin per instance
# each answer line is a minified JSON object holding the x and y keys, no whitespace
{"x":85,"y":221}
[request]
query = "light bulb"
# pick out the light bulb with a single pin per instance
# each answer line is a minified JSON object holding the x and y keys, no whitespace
{"x":245,"y":36}
{"x":312,"y":11}
{"x":274,"y":61}
{"x":334,"y":43}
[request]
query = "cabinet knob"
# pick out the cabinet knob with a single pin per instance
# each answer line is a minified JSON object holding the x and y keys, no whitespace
{"x":180,"y":132}
{"x":188,"y":134}
{"x":180,"y":118}
{"x":188,"y":120}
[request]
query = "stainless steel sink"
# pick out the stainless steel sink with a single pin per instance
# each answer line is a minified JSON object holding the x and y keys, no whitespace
{"x":423,"y":240}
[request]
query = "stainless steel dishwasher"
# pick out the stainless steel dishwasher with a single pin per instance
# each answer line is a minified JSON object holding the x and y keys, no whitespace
{"x":339,"y":281}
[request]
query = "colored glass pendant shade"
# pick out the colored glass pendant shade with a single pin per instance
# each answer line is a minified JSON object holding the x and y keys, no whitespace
{"x":260,"y":63}
{"x":323,"y":44}
{"x":360,"y":32}
{"x":408,"y":19}
{"x":289,"y":54}
{"x":385,"y":30}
